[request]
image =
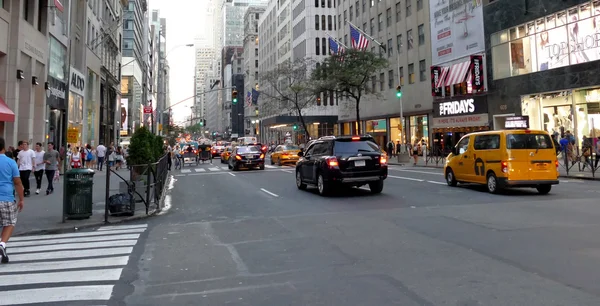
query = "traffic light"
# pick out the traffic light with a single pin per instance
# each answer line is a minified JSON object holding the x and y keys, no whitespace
{"x":399,"y":92}
{"x":234,"y":97}
{"x":204,"y":122}
{"x":295,"y":127}
{"x":201,"y":122}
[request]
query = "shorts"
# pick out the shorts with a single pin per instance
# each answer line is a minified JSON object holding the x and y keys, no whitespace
{"x":8,"y":213}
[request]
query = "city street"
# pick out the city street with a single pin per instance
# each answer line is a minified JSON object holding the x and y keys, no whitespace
{"x":253,"y":238}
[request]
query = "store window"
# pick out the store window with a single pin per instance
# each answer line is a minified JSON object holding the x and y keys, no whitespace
{"x":57,"y":67}
{"x":419,"y":129}
{"x":558,"y":40}
{"x":396,"y":133}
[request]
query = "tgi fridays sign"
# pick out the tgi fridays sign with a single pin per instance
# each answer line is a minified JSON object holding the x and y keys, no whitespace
{"x":436,"y":74}
{"x":474,"y":105}
{"x":461,"y":121}
{"x":477,"y":72}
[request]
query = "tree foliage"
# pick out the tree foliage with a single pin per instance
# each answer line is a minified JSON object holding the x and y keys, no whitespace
{"x":145,"y":147}
{"x":289,"y":87}
{"x":349,"y":74}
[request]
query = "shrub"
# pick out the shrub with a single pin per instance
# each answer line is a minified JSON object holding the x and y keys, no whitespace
{"x":144,"y":148}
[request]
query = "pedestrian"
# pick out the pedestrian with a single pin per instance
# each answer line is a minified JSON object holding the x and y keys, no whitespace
{"x":89,"y":156}
{"x":9,"y":183}
{"x":39,"y":167}
{"x":51,"y":159}
{"x":100,"y":154}
{"x":26,"y":162}
{"x":16,"y":151}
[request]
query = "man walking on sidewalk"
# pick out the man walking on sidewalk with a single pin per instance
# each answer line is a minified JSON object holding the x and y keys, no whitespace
{"x":51,"y":159}
{"x":100,"y":154}
{"x":9,"y":183}
{"x":39,"y":167}
{"x":26,"y":161}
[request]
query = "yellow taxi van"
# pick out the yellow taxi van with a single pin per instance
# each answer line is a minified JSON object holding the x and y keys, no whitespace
{"x":504,"y":159}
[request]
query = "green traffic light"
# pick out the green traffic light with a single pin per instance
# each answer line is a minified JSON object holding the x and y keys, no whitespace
{"x":234,"y":101}
{"x":295,"y":127}
{"x":399,"y":95}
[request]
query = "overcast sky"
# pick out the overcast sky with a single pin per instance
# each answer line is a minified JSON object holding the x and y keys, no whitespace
{"x":183,"y":24}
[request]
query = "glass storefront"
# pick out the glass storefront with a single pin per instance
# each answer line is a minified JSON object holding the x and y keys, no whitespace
{"x":377,"y":129}
{"x":577,"y":111}
{"x":395,"y":133}
{"x":565,"y":38}
{"x":317,"y":129}
{"x":419,"y":128}
{"x":91,"y":117}
{"x":75,"y":115}
{"x":349,"y":128}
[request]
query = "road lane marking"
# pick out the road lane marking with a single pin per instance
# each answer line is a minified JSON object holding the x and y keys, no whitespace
{"x":434,"y":182}
{"x":270,"y":166}
{"x":200,"y":170}
{"x":214,"y":169}
{"x":417,"y":171}
{"x":56,"y":294}
{"x":287,"y":171}
{"x":231,"y":174}
{"x":268,"y":192}
{"x":186,"y":170}
{"x":406,"y":178}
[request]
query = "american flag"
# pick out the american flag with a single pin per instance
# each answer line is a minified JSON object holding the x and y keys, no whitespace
{"x":249,"y":98}
{"x":359,"y":41}
{"x":334,"y":47}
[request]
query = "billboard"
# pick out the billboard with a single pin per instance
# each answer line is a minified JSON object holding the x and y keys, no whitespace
{"x":456,"y":29}
{"x":124,"y":115}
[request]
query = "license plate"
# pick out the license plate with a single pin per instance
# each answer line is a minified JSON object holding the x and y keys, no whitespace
{"x":541,"y":166}
{"x":359,"y":163}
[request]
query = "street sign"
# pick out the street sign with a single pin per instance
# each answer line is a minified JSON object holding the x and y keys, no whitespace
{"x":148,"y":109}
{"x":73,"y":135}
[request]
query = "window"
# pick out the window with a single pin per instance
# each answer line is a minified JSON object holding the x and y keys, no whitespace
{"x":373,"y":83}
{"x":381,"y":81}
{"x":391,"y":79}
{"x":364,"y":5}
{"x":2,"y":4}
{"x":255,"y":63}
{"x":346,"y":39}
{"x":339,"y":21}
{"x":28,"y":8}
{"x":128,"y":25}
{"x":317,"y":22}
{"x":422,"y":73}
{"x":398,"y":12}
{"x":317,"y":48}
{"x":316,"y":3}
{"x":345,"y":16}
{"x":372,"y":26}
{"x":256,"y":52}
{"x":390,"y":47}
{"x":421,"y":30}
{"x":357,"y":10}
{"x":351,"y":10}
{"x":388,"y":17}
{"x":401,"y":77}
{"x":324,"y":46}
{"x":372,"y":3}
{"x":463,"y":145}
{"x":329,"y":23}
{"x":399,"y":43}
{"x":528,"y":141}
{"x":329,"y":3}
{"x":420,"y":5}
{"x":409,"y":39}
{"x":411,"y":73}
{"x":487,"y":142}
{"x":380,"y":22}
{"x":323,"y":24}
{"x":408,"y":8}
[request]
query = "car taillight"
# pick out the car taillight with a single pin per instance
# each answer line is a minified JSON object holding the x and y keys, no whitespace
{"x":264,"y":148}
{"x":355,"y":138}
{"x":238,"y":157}
{"x":285,"y":153}
{"x":332,"y":162}
{"x":504,"y":166}
{"x":195,"y":151}
{"x":383,"y":159}
{"x":214,"y":151}
{"x":556,"y":163}
{"x":262,"y":156}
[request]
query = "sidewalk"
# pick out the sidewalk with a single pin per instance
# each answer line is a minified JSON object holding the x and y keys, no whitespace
{"x":43,"y":213}
{"x":574,"y":172}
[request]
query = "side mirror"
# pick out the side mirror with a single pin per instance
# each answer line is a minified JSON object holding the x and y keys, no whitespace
{"x":454,"y":151}
{"x":300,"y":153}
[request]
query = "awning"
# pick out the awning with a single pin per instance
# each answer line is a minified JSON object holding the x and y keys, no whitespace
{"x":458,"y":73}
{"x":6,"y":115}
{"x":442,"y":78}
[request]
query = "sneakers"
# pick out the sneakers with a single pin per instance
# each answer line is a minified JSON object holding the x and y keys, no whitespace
{"x":37,"y":191}
{"x":3,"y":254}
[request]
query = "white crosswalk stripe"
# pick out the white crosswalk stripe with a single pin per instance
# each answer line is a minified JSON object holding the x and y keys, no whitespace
{"x":271,"y":166}
{"x":214,"y":169}
{"x":210,"y":168}
{"x":186,"y":170}
{"x":200,"y":170}
{"x":83,"y":257}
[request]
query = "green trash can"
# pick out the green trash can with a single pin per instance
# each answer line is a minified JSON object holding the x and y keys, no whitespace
{"x":78,"y":190}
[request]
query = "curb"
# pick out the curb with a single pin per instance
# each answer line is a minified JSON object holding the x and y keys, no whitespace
{"x":62,"y":230}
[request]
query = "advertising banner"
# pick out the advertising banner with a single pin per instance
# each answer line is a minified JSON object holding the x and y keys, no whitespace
{"x":455,"y":107}
{"x":476,"y":72}
{"x":124,"y":108}
{"x":436,"y":74}
{"x":456,"y":29}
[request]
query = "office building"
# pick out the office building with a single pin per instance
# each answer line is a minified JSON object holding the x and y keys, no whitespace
{"x":250,"y":69}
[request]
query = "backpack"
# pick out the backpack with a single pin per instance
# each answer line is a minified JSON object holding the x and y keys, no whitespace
{"x":89,"y":155}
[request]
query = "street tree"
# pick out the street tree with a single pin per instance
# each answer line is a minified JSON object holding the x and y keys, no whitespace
{"x":289,"y":87}
{"x":349,"y":74}
{"x":193,"y":129}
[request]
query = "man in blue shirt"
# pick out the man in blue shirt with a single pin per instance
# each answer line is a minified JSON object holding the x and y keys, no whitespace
{"x":10,"y":181}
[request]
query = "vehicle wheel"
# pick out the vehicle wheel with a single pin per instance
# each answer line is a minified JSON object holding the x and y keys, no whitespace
{"x":262,"y":167}
{"x":279,"y":163}
{"x":299,"y":182}
{"x":450,"y":179}
{"x":544,"y":189}
{"x":271,"y":159}
{"x":229,"y":166}
{"x":323,"y":186}
{"x":376,"y":187}
{"x":492,"y":183}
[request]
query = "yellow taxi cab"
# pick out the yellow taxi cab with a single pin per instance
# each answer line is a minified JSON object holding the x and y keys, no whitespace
{"x":285,"y":154}
{"x":225,"y":155}
{"x":504,"y":159}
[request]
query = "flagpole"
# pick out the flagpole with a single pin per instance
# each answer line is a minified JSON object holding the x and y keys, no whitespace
{"x":368,"y":36}
{"x":337,"y":41}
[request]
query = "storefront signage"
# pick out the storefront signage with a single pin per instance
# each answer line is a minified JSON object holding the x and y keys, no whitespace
{"x":519,"y":122}
{"x":436,"y":72}
{"x":456,"y":29}
{"x":461,"y":121}
{"x":77,"y":84}
{"x":477,"y":72}
{"x":56,"y":93}
{"x":468,"y":105}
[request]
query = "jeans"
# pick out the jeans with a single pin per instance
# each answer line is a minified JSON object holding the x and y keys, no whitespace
{"x":50,"y":178}
{"x":100,"y":162}
{"x":25,"y":179}
{"x":39,"y":174}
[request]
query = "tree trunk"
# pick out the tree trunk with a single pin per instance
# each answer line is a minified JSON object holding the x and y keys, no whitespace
{"x":299,"y":111}
{"x":358,"y":127}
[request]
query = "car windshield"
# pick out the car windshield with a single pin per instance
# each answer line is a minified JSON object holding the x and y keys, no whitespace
{"x":250,"y":149}
{"x":291,"y":148}
{"x":353,"y":147}
{"x":528,"y":141}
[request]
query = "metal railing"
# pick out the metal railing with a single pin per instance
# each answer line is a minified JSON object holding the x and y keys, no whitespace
{"x":579,"y":160}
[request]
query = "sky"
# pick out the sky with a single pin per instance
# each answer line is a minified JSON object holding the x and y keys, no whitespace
{"x":183,"y":25}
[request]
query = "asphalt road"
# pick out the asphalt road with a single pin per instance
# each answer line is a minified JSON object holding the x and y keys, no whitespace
{"x":252,"y":238}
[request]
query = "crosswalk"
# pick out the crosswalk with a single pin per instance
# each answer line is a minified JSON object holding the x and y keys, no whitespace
{"x":213,"y":168}
{"x":74,"y":267}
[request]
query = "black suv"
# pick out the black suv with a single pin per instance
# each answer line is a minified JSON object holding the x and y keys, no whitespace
{"x":342,"y":161}
{"x":247,"y":157}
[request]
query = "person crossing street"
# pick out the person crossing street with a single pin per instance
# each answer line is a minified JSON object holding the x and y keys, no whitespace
{"x":10,"y":182}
